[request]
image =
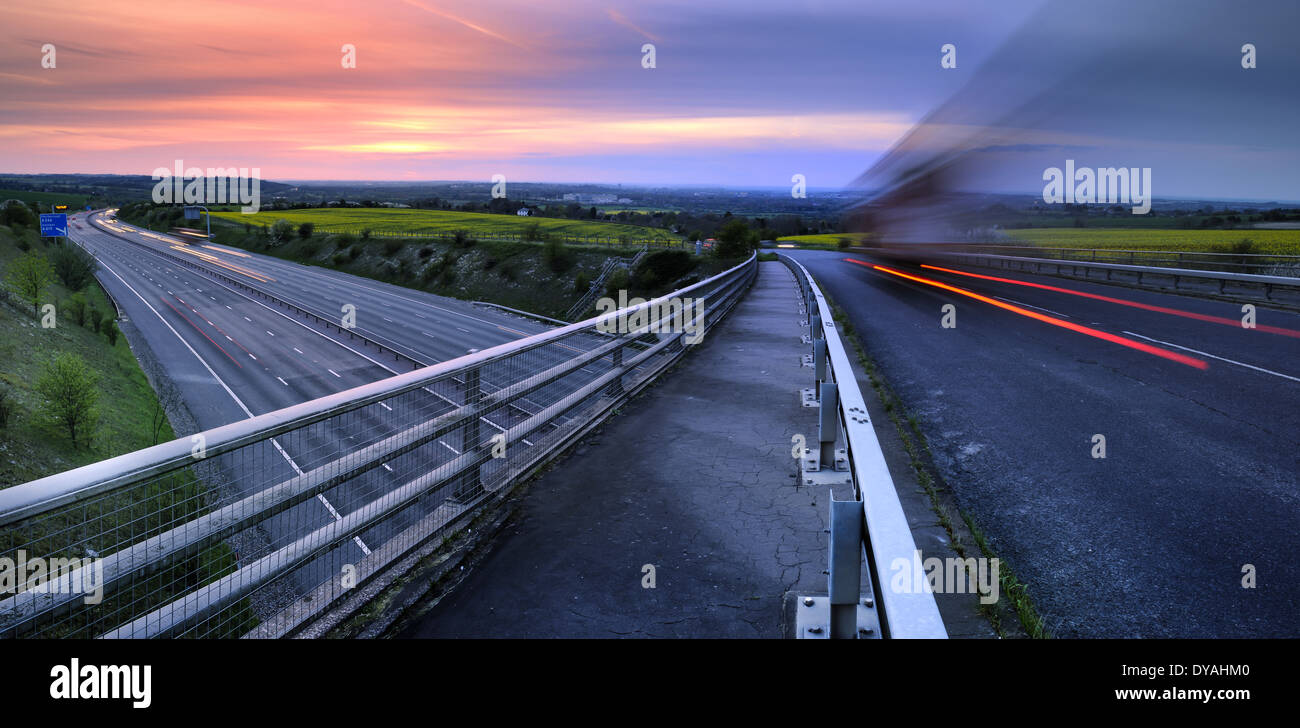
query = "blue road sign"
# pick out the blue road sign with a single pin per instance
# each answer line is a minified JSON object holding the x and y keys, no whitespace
{"x":54,"y":225}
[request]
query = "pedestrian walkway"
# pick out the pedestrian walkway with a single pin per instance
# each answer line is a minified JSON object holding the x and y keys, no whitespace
{"x":682,"y":516}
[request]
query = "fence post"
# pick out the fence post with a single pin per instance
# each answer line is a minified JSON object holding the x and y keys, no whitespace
{"x":471,"y":484}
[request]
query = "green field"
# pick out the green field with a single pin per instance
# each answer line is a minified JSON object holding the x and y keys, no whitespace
{"x":1275,"y":242}
{"x":443,"y":222}
{"x":72,"y":200}
{"x":827,"y":240}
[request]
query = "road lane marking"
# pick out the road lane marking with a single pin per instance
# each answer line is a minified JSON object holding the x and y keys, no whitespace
{"x":229,"y":391}
{"x":331,"y":371}
{"x":283,"y":382}
{"x":1040,"y":308}
{"x":1220,"y":358}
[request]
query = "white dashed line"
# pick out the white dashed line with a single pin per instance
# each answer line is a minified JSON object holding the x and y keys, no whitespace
{"x":283,"y":382}
{"x":331,"y":371}
{"x":1230,"y":361}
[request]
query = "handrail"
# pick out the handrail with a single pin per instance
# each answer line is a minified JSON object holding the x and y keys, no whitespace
{"x":579,"y":389}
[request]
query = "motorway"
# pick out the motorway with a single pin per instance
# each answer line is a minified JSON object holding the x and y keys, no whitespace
{"x":1201,"y":419}
{"x":232,"y":355}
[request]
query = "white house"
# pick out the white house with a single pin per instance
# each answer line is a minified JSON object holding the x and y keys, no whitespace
{"x":524,"y":212}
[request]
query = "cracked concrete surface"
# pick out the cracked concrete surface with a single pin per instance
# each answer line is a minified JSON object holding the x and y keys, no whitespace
{"x":695,"y":478}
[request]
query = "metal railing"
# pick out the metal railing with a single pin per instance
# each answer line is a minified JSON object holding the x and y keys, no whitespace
{"x":254,"y":528}
{"x":873,"y":523}
{"x":597,"y":286}
{"x":1163,"y":267}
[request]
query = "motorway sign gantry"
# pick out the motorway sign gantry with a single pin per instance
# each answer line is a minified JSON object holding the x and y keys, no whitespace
{"x":54,"y":225}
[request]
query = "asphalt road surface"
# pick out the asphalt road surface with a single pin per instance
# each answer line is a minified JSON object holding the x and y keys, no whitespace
{"x":233,"y":356}
{"x":1198,"y":486}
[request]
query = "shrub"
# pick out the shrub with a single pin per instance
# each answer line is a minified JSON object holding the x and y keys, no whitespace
{"x":581,"y":283}
{"x":75,"y":307}
{"x":16,"y":212}
{"x":426,"y":251}
{"x":306,"y":229}
{"x":6,"y":405}
{"x":69,"y":392}
{"x":95,"y":316}
{"x":279,"y":232}
{"x":355,"y":252}
{"x":556,"y":256}
{"x":339,"y":259}
{"x":616,"y":282}
{"x":843,"y":243}
{"x":111,"y":331}
{"x":391,"y":246}
{"x":461,"y":239}
{"x":30,"y":276}
{"x":74,"y":266}
{"x":663,"y":267}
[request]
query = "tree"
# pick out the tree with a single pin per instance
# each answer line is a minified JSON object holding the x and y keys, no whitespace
{"x":6,"y":405}
{"x":735,"y":239}
{"x":306,"y":229}
{"x":556,"y":256}
{"x":75,"y":307}
{"x":281,"y":230}
{"x":68,"y":388}
{"x":74,"y":266}
{"x":15,"y":212}
{"x":111,"y":331}
{"x":29,"y":276}
{"x":95,"y":316}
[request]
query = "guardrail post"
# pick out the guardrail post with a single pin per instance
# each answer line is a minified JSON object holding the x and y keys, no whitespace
{"x":828,"y":420}
{"x":471,"y":484}
{"x":819,"y":363}
{"x":815,"y":324}
{"x":845,"y":578}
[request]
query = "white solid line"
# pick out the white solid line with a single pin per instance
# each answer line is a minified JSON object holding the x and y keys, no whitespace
{"x":230,"y":392}
{"x":1212,"y":356}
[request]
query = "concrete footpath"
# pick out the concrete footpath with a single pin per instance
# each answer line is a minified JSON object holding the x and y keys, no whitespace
{"x":693,"y":483}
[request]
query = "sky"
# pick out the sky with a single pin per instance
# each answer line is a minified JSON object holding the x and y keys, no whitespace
{"x":743,"y":93}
